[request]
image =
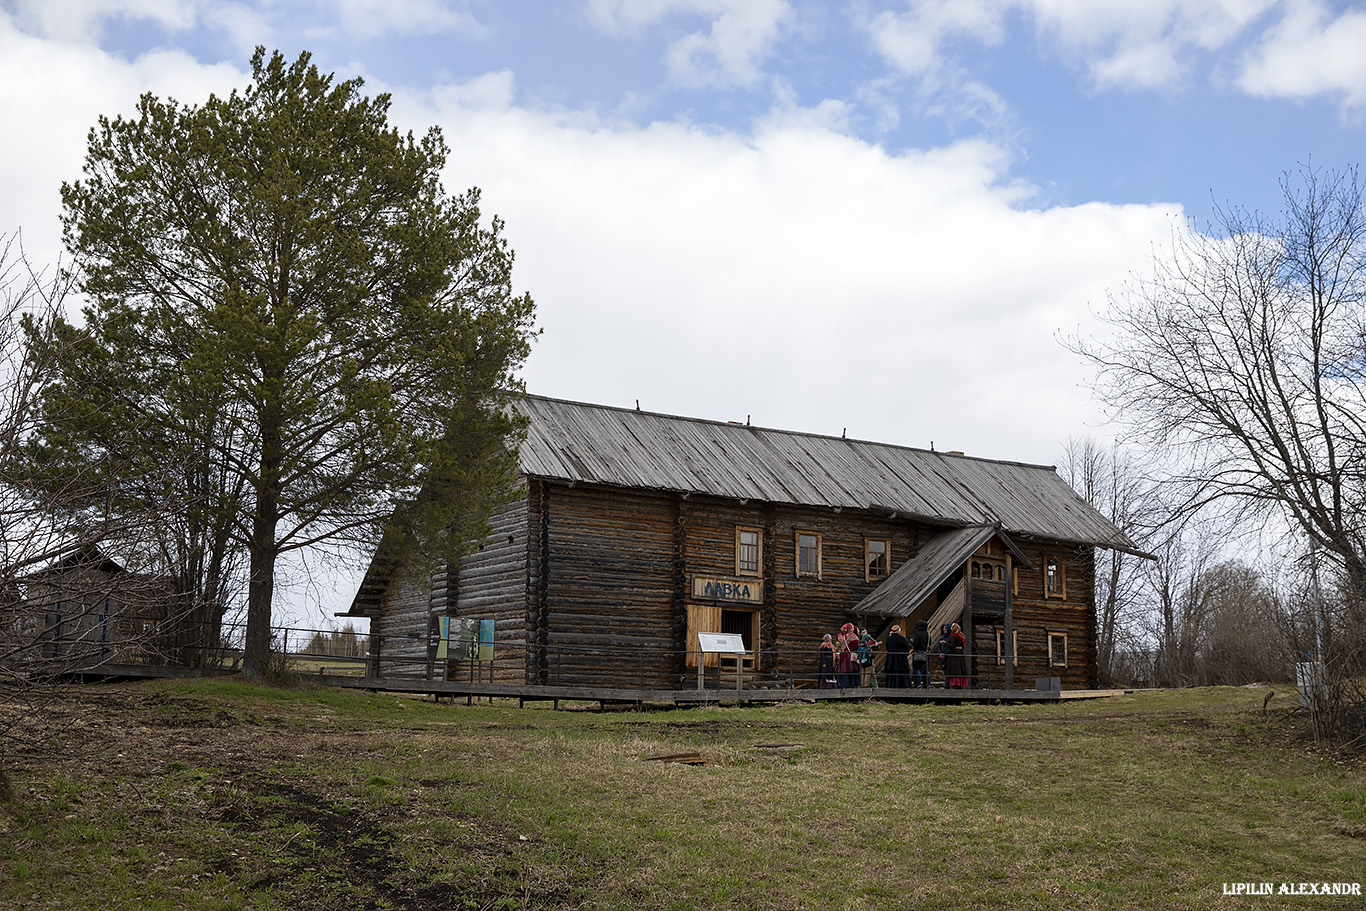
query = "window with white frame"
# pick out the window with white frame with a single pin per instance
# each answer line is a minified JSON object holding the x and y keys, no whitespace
{"x":808,"y":555}
{"x":1057,"y":649}
{"x":749,"y":551}
{"x":877,"y":558}
{"x":1054,"y":578}
{"x":1001,"y":646}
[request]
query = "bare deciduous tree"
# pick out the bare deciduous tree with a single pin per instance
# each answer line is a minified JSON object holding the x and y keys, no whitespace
{"x":1182,"y":595}
{"x":1111,"y":479}
{"x":1243,"y":356}
{"x":52,"y":525}
{"x":59,"y":609}
{"x":1244,"y":642}
{"x":345,"y":642}
{"x":1243,"y":353}
{"x":31,"y":530}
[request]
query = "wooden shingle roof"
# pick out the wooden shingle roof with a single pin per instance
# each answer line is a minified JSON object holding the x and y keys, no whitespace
{"x":597,"y":444}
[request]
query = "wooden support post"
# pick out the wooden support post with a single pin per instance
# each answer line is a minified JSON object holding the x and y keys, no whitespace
{"x":969,"y":646}
{"x":1008,"y":647}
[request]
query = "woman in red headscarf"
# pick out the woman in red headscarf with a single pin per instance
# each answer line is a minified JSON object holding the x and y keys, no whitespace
{"x":846,"y":655}
{"x":958,"y":662}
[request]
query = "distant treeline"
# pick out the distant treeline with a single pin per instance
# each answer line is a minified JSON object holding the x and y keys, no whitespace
{"x":342,"y":643}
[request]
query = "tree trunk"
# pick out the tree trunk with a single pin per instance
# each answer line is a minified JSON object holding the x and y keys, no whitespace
{"x":1109,"y":619}
{"x":260,"y":592}
{"x":264,"y":550}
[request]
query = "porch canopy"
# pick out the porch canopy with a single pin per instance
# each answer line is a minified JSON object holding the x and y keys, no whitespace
{"x":901,"y":593}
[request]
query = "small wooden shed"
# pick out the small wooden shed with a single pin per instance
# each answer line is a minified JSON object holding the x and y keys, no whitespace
{"x":86,"y":609}
{"x":637,"y":531}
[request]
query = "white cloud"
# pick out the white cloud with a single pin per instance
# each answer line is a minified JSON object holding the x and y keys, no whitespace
{"x":797,"y":275}
{"x":244,"y":26}
{"x":1142,"y":45}
{"x":830,"y":115}
{"x":1202,"y":23}
{"x":244,"y":22}
{"x":371,"y":18}
{"x":911,"y":41}
{"x":794,"y":274}
{"x":728,"y":53}
{"x":1144,"y":65}
{"x":490,"y":92}
{"x":1120,"y":45}
{"x":56,"y":92}
{"x":84,"y":20}
{"x":1310,"y":53}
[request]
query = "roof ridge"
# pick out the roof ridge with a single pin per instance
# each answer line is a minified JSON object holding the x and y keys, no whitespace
{"x":797,"y":433}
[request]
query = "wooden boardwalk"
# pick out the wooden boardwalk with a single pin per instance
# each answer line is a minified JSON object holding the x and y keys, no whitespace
{"x":525,"y":693}
{"x":105,"y":670}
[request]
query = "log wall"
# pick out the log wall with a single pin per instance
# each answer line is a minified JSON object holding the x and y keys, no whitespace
{"x":808,"y":608}
{"x":491,"y":584}
{"x":607,"y":587}
{"x":592,"y":586}
{"x":1035,"y":616}
{"x":401,"y":635}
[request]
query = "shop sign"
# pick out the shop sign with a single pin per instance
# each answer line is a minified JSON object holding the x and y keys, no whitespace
{"x":712,"y":588}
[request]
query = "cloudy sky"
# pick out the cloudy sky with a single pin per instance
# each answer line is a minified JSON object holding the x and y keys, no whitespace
{"x":870,"y":216}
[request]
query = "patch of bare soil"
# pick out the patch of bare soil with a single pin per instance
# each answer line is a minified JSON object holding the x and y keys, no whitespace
{"x":353,"y":852}
{"x":302,"y":838}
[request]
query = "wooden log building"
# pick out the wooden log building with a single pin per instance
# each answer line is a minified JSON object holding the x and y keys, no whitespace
{"x":638,"y":530}
{"x":86,"y":609}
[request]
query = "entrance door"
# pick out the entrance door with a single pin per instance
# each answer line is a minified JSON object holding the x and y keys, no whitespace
{"x":713,"y":618}
{"x":742,"y":623}
{"x":739,"y":622}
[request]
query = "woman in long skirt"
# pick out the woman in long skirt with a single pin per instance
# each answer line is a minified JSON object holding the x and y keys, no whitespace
{"x":898,"y":668}
{"x":825,"y":664}
{"x":846,"y":656}
{"x":958,"y":662}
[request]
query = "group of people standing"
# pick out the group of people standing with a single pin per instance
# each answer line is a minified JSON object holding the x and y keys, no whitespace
{"x":846,"y":660}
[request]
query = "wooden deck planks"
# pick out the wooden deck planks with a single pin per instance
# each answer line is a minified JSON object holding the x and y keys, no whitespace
{"x":710,"y":696}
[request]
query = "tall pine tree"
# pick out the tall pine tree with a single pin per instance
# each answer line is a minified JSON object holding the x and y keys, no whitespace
{"x":303,"y":333}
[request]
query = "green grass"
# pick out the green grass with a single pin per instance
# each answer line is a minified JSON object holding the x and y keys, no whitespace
{"x":336,"y":667}
{"x":221,"y":794}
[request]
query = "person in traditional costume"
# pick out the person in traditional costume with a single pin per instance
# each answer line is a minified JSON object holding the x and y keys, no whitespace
{"x":825,"y":664}
{"x":958,"y":662}
{"x":898,"y":667}
{"x":941,"y":648}
{"x":867,"y":654}
{"x":846,"y":656}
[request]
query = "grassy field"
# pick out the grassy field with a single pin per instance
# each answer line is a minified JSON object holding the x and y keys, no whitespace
{"x":308,"y":665}
{"x":221,"y":794}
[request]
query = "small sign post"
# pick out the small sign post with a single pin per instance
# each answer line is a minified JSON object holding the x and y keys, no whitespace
{"x":720,"y":644}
